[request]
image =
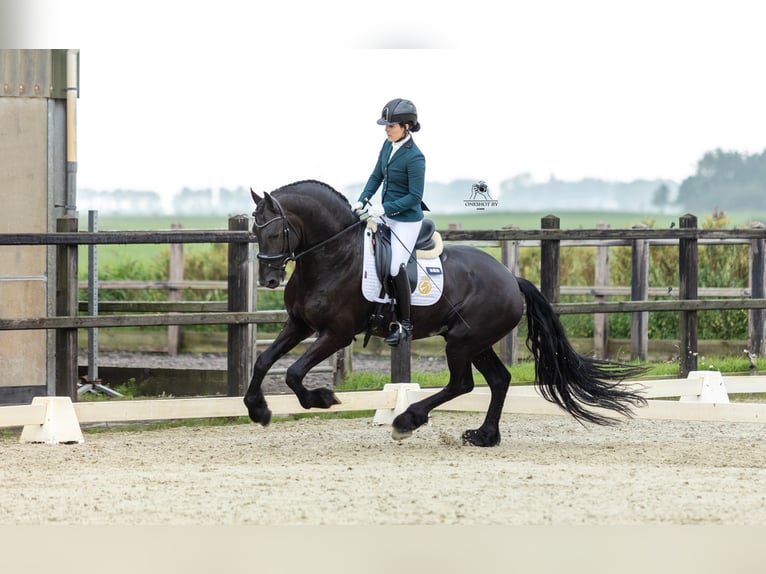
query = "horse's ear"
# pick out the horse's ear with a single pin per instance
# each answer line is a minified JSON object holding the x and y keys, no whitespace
{"x":256,"y":198}
{"x":269,"y":201}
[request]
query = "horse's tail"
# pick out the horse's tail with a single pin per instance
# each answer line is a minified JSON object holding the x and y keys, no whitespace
{"x":565,"y":377}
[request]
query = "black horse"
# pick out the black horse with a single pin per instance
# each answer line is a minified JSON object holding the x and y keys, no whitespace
{"x":313,"y":225}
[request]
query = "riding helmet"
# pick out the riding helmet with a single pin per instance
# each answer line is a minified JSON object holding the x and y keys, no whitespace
{"x":400,"y":111}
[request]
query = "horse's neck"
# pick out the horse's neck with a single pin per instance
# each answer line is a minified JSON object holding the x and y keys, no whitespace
{"x":315,"y":228}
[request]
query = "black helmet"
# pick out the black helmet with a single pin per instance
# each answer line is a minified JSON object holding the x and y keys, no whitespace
{"x":400,"y":111}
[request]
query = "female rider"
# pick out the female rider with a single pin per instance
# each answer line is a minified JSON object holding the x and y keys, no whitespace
{"x":401,"y":169}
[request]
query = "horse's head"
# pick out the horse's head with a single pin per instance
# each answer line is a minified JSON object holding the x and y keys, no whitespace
{"x":297,"y":220}
{"x":277,"y":239}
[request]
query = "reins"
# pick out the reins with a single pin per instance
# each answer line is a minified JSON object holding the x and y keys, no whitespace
{"x":322,"y":243}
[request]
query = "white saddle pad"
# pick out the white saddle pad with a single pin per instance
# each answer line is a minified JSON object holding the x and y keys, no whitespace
{"x":430,"y":278}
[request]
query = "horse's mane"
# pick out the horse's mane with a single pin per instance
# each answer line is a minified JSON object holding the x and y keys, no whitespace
{"x":313,"y":187}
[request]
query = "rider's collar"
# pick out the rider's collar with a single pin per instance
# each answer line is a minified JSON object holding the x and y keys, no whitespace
{"x":397,"y":144}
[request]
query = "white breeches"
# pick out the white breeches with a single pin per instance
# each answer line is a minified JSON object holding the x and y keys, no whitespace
{"x":404,"y":234}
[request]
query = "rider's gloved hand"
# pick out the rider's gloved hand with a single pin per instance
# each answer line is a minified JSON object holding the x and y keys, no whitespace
{"x":376,"y":211}
{"x":357,"y":208}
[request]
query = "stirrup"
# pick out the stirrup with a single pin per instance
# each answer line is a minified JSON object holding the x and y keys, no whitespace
{"x":401,"y":332}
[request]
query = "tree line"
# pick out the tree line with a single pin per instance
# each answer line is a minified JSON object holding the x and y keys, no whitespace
{"x":723,"y":181}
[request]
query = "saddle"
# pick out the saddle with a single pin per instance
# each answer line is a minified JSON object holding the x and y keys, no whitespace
{"x":427,"y":246}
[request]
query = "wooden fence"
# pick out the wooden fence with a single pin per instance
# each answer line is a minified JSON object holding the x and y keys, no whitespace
{"x":239,"y":316}
{"x":600,"y":291}
{"x":639,"y":291}
{"x":688,"y":237}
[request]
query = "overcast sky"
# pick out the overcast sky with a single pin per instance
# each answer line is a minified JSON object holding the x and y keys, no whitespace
{"x":211,"y":94}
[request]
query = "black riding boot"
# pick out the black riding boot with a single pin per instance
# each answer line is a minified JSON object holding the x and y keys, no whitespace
{"x":401,"y":330}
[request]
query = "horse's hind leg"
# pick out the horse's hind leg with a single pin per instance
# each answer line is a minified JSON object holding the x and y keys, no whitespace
{"x":498,"y":378}
{"x":460,"y":382}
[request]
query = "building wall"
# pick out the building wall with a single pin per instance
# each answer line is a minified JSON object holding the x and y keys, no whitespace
{"x":23,"y":269}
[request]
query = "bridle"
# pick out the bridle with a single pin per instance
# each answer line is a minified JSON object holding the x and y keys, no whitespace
{"x":289,"y":245}
{"x":288,"y":250}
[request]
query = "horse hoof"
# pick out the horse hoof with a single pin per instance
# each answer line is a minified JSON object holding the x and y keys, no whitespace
{"x":479,"y":438}
{"x":260,"y":416}
{"x":258,"y":411}
{"x":397,"y":434}
{"x":322,"y":398}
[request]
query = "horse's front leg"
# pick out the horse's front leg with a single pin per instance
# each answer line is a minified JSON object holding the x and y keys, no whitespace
{"x":292,"y":333}
{"x":323,"y":397}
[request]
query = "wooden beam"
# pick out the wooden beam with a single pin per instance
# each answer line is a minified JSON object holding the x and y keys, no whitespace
{"x":164,"y":409}
{"x":20,"y":415}
{"x":239,"y":343}
{"x":66,"y":305}
{"x":124,"y":237}
{"x":225,"y":236}
{"x":144,"y":320}
{"x":688,"y":271}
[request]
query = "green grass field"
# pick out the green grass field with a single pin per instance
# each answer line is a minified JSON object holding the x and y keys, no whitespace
{"x":472,"y":220}
{"x":110,"y":254}
{"x":579,"y":220}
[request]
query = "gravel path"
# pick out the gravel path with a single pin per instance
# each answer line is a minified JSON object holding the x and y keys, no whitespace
{"x":548,"y":470}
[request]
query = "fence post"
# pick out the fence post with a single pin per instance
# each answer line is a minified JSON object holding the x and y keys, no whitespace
{"x":66,"y":306}
{"x":688,"y":272}
{"x":550,"y":253}
{"x":601,"y":279}
{"x":175,"y":274}
{"x":342,"y":366}
{"x":239,"y":347}
{"x":757,"y":291}
{"x":253,"y":279}
{"x":92,"y":298}
{"x":509,"y":253}
{"x":639,"y":291}
{"x":401,"y":368}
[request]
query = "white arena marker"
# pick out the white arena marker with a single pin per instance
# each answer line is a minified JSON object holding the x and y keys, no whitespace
{"x":387,"y":416}
{"x":713,"y":388}
{"x":60,"y":425}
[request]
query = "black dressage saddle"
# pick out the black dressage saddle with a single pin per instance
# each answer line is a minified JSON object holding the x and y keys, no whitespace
{"x":381,"y":241}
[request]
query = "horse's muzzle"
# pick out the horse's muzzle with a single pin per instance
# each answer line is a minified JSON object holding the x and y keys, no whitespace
{"x":270,"y":282}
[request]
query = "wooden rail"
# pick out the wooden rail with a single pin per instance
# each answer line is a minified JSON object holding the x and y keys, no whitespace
{"x":670,"y":236}
{"x":145,"y":320}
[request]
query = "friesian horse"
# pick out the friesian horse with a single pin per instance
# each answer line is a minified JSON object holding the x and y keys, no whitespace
{"x":312,"y":224}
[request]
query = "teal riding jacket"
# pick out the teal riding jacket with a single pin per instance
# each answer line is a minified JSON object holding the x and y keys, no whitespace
{"x":403,"y":180}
